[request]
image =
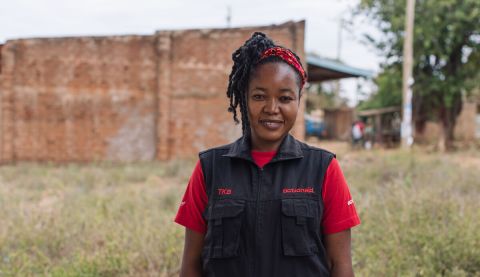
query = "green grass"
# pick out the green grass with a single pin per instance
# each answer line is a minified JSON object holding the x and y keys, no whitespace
{"x":90,"y":220}
{"x":419,"y":218}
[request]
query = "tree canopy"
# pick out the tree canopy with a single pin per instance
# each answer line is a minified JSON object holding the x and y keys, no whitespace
{"x":446,"y":55}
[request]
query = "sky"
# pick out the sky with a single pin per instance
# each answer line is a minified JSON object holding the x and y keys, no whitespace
{"x":54,"y":18}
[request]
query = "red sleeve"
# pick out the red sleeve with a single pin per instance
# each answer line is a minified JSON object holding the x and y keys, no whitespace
{"x":193,"y":203}
{"x":339,"y":209}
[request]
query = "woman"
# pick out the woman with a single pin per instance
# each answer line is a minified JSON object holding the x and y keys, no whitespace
{"x":267,"y":204}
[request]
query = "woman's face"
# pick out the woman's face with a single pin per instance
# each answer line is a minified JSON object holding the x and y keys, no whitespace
{"x":273,"y":101}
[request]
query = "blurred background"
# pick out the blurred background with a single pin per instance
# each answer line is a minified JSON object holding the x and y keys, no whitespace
{"x":104,"y":106}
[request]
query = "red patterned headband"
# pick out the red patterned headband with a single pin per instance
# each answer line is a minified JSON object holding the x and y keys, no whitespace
{"x":288,"y":57}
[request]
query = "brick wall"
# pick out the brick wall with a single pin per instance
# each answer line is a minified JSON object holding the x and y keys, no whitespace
{"x":79,"y":99}
{"x":464,"y":129}
{"x":199,"y":65}
{"x":124,"y":98}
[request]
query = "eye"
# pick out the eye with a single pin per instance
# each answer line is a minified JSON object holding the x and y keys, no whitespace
{"x":286,"y":99}
{"x":258,"y":97}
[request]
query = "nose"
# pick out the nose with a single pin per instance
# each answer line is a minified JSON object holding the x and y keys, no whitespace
{"x":271,"y":106}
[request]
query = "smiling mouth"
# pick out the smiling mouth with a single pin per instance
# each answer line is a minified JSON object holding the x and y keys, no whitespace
{"x":271,"y":124}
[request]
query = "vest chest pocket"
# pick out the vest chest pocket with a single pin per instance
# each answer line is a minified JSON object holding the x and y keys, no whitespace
{"x":224,"y":224}
{"x":300,"y":227}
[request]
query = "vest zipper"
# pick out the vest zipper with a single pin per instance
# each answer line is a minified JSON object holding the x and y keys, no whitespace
{"x":257,"y":212}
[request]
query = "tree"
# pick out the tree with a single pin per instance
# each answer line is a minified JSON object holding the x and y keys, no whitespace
{"x":389,"y":90}
{"x":446,"y":53}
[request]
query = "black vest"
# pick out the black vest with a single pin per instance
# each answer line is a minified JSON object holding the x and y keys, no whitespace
{"x":264,"y":222}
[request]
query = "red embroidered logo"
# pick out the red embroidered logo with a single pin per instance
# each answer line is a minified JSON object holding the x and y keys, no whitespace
{"x":223,"y":191}
{"x":299,"y":190}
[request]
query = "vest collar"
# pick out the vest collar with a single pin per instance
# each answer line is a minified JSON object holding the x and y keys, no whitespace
{"x":290,"y":148}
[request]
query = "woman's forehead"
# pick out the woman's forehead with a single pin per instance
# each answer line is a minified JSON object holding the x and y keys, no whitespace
{"x":275,"y":72}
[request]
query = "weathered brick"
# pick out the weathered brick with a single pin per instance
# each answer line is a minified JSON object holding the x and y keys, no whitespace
{"x":122,"y":98}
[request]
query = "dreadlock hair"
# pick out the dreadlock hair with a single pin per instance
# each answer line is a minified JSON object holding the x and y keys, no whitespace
{"x":245,"y":60}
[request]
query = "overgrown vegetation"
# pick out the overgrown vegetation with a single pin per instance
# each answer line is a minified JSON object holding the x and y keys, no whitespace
{"x":446,"y":55}
{"x":418,"y":219}
{"x":90,"y":220}
{"x":389,"y":90}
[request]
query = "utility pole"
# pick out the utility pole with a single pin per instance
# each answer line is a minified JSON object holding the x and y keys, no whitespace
{"x":407,"y":82}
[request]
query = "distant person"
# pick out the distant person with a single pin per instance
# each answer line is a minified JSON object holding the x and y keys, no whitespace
{"x":266,"y":204}
{"x":357,"y":133}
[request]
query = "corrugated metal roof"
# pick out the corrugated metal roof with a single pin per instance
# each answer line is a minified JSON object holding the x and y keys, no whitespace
{"x":321,"y":69}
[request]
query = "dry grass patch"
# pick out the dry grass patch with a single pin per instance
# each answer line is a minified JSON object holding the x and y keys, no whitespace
{"x":420,"y":216}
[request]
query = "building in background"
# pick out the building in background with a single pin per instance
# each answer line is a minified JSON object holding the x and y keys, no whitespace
{"x":467,"y":128}
{"x":135,"y":98}
{"x":123,"y":98}
{"x":337,"y":119}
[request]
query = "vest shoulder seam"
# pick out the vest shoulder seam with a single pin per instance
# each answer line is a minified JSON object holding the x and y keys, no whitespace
{"x":224,"y":148}
{"x":308,"y":147}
